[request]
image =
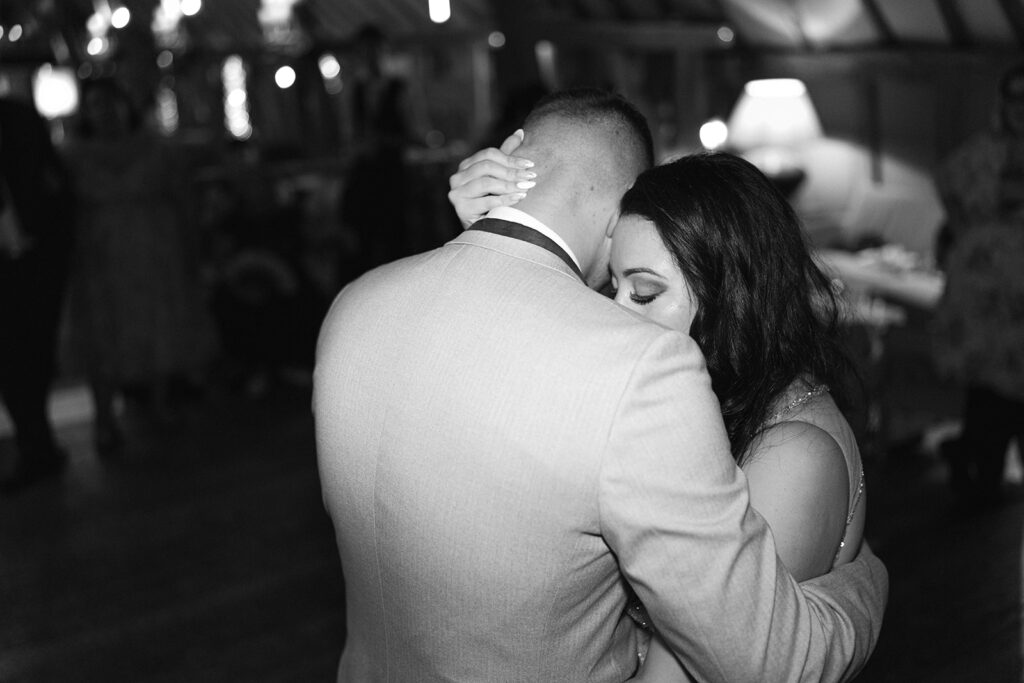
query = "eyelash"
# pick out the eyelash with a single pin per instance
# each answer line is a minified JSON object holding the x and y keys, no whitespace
{"x":633,"y":296}
{"x":642,"y":300}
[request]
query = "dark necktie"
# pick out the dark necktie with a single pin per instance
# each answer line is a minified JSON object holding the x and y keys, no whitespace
{"x":522,"y":232}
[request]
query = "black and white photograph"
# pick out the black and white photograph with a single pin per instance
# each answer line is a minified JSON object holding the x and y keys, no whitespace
{"x":472,"y":341}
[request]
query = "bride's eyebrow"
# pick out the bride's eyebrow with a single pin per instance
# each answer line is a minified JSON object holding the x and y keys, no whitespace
{"x":634,"y":271}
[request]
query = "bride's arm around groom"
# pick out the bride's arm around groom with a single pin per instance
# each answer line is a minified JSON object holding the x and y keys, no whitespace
{"x":717,"y":593}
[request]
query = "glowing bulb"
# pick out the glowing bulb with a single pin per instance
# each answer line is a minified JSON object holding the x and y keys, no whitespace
{"x":236,"y":98}
{"x":440,"y":11}
{"x":14,"y":35}
{"x":329,"y":67}
{"x":496,"y":39}
{"x":120,"y":17}
{"x":96,"y":24}
{"x":726,"y":34}
{"x":236,"y":117}
{"x":96,"y":46}
{"x":167,"y":109}
{"x":713,"y":134}
{"x":190,"y":8}
{"x":55,"y":91}
{"x":285,"y":77}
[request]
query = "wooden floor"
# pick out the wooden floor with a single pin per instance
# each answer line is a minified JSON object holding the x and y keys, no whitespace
{"x":207,"y":557}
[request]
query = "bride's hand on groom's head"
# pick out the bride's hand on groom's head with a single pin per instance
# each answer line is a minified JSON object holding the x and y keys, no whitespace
{"x":490,"y":178}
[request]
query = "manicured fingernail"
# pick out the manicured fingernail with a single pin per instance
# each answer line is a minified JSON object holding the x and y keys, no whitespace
{"x":521,"y":134}
{"x":513,"y":198}
{"x":526,"y":175}
{"x":522,"y":163}
{"x":525,"y":184}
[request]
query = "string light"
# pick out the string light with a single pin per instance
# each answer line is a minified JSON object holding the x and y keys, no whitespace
{"x":165,"y":59}
{"x":329,"y":66}
{"x":440,"y":11}
{"x":167,"y":108}
{"x":236,"y":110}
{"x":97,"y":46}
{"x":275,"y":17}
{"x":55,"y":91}
{"x":713,"y":134}
{"x":120,"y":17}
{"x":285,"y":77}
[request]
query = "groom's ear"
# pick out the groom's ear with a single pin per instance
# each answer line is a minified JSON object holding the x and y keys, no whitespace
{"x":612,"y":220}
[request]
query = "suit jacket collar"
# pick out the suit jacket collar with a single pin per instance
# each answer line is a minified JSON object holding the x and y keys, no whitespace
{"x":515,"y":248}
{"x":514,"y":215}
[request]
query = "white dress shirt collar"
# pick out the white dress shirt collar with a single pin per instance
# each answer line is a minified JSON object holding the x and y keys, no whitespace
{"x":514,"y":215}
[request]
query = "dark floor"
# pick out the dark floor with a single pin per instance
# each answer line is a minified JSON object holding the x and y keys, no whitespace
{"x":207,"y":557}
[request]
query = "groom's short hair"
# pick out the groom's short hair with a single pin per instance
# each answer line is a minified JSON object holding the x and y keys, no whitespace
{"x":594,"y":106}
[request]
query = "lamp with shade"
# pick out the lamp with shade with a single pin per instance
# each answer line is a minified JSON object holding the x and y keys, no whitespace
{"x":770,"y":121}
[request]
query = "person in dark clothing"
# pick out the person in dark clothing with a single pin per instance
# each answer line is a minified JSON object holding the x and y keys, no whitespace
{"x":375,"y":198}
{"x":35,"y":240}
{"x":978,"y":329}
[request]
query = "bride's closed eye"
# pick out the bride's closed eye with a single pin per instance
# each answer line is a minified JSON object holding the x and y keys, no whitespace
{"x":612,"y":292}
{"x":642,"y":300}
{"x":645,"y":289}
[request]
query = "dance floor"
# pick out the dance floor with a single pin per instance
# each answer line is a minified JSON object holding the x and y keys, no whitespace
{"x":206,"y":556}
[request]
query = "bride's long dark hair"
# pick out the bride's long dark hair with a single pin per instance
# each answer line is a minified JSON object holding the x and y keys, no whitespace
{"x":766,"y":315}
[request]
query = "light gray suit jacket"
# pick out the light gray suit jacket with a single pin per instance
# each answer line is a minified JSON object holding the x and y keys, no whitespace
{"x":501,"y":447}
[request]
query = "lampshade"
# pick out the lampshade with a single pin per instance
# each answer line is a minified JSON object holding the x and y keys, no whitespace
{"x":775,"y":112}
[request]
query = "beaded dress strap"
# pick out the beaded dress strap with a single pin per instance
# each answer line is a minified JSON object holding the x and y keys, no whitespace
{"x":853,"y":511}
{"x":813,"y":392}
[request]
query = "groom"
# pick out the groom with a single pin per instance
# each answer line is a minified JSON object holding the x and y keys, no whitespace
{"x":502,"y":449}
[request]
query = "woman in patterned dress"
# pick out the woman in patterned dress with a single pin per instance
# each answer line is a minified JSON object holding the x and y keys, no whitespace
{"x":138,"y":315}
{"x":979,"y":324}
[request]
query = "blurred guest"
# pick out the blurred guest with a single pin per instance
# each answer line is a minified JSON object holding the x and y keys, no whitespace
{"x":136,"y":306}
{"x":35,"y":240}
{"x":980,"y":321}
{"x":266,"y":300}
{"x":375,"y":197}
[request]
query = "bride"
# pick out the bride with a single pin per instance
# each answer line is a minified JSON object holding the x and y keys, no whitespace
{"x":707,"y":245}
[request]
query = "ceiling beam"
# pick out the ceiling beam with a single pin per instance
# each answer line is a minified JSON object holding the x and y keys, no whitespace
{"x":885,"y":32}
{"x":621,"y":8}
{"x":959,"y":34}
{"x":580,"y":9}
{"x":639,"y":34}
{"x":901,"y":62}
{"x":1014,"y":12}
{"x":668,"y":9}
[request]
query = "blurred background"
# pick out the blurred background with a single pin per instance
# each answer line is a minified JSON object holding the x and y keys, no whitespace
{"x":234,"y":163}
